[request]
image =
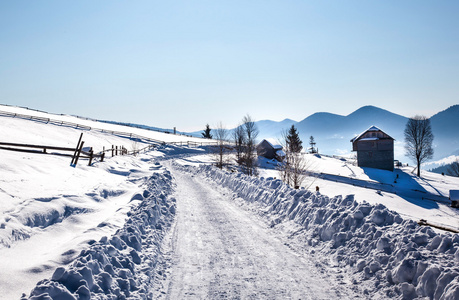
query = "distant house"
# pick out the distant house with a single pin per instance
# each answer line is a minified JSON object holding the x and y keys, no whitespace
{"x":375,"y":149}
{"x":270,"y":149}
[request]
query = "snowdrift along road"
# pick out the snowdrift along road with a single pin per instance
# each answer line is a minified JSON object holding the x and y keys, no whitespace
{"x":121,"y":266}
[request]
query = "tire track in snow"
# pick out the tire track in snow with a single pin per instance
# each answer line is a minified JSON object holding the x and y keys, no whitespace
{"x":219,"y":251}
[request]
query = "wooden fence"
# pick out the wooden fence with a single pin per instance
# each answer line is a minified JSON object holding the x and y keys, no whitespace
{"x":76,"y":153}
{"x":84,"y":127}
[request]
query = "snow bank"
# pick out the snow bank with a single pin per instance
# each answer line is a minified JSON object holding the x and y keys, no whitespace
{"x":122,"y":266}
{"x":381,"y":252}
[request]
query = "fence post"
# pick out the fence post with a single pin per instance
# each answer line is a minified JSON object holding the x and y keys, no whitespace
{"x":91,"y":155}
{"x":79,"y":152}
{"x":113,"y":147}
{"x":76,"y":150}
{"x":116,"y":150}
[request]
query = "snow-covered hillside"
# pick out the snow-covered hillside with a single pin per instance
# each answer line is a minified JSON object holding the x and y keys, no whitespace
{"x":99,"y":126}
{"x":49,"y":210}
{"x":415,"y":198}
{"x":166,"y":224}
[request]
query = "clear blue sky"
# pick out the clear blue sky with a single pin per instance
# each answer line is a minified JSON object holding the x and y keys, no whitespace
{"x":188,"y":63}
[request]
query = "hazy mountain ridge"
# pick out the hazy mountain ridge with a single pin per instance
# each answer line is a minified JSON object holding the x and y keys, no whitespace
{"x":333,"y":132}
{"x":445,"y":126}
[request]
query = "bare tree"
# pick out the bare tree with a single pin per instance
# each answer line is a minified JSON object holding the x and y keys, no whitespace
{"x":284,"y":167}
{"x":299,"y":167}
{"x":453,"y":168}
{"x":249,"y":157}
{"x":221,"y":149}
{"x":418,"y":140}
{"x":239,"y":141}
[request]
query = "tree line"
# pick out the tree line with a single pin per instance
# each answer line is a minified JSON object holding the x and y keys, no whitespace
{"x":243,"y":138}
{"x":292,"y":168}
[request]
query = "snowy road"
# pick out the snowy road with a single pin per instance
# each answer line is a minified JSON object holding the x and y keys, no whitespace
{"x":216,"y":250}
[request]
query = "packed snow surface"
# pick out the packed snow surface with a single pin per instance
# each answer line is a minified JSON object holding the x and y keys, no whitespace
{"x":217,"y":250}
{"x":165,"y":224}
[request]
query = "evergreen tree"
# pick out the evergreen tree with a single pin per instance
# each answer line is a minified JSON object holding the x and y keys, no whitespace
{"x":293,"y":141}
{"x":294,"y":166}
{"x":206,"y":132}
{"x":312,"y":145}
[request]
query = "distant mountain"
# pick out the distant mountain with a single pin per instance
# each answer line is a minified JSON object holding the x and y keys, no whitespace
{"x":333,"y":132}
{"x":320,"y":123}
{"x":445,"y":127}
{"x":273,"y":129}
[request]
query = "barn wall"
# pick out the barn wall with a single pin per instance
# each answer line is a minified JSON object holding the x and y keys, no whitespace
{"x":377,"y":154}
{"x":381,"y":145}
{"x":376,"y":159}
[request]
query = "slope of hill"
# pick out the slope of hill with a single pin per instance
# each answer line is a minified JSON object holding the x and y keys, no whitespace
{"x":91,"y":124}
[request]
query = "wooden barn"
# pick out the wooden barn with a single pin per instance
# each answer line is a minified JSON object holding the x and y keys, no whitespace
{"x":375,"y":149}
{"x":269,"y":149}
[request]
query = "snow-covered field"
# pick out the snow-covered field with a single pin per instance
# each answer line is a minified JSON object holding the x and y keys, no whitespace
{"x":400,"y":190}
{"x":165,"y":224}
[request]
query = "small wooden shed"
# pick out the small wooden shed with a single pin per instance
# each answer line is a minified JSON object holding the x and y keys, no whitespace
{"x":375,"y":149}
{"x":268,"y":148}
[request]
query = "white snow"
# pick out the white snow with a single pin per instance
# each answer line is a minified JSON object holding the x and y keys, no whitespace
{"x":280,"y":153}
{"x":156,"y":135}
{"x":438,"y":163}
{"x":217,"y":250}
{"x":166,"y":224}
{"x":376,"y":251}
{"x":410,"y":196}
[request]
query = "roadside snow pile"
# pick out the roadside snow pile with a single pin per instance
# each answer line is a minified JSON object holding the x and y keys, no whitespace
{"x":381,"y":252}
{"x":123,"y":266}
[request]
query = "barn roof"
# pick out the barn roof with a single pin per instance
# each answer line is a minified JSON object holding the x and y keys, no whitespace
{"x":372,"y":128}
{"x":274,"y":144}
